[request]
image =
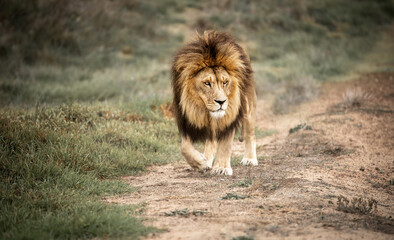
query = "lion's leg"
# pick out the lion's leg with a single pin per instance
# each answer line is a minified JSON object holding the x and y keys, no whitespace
{"x":193,"y":157}
{"x":222,"y":164}
{"x":210,"y":151}
{"x":250,"y":157}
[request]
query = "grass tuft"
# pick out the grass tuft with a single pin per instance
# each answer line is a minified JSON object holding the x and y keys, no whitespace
{"x":355,"y":98}
{"x":186,"y":213}
{"x":235,"y":196}
{"x":243,"y":183}
{"x":357,"y":205}
{"x":299,"y":127}
{"x":243,"y":238}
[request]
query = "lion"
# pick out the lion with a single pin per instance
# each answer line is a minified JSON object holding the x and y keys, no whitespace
{"x":213,"y":95}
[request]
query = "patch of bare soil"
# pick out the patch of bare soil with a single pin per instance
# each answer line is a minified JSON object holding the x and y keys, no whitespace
{"x":331,"y":178}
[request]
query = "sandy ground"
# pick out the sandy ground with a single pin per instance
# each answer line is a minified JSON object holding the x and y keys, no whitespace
{"x":294,"y":192}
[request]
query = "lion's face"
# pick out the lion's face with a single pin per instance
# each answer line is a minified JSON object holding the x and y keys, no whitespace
{"x":213,"y":86}
{"x":211,"y":94}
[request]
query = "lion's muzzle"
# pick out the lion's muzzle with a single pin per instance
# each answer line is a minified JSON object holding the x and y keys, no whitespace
{"x":217,"y":114}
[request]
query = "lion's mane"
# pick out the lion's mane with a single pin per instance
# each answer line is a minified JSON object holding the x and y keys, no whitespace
{"x":213,"y":49}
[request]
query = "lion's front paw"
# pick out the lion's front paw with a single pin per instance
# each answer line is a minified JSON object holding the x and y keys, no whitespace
{"x":249,"y":161}
{"x":201,"y":163}
{"x":222,"y":171}
{"x":203,"y":167}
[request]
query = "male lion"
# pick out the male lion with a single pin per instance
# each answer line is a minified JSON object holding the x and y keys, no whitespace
{"x":214,"y":93}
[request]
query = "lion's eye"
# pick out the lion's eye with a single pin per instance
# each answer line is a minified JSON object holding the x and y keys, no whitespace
{"x":225,"y":83}
{"x":207,"y":84}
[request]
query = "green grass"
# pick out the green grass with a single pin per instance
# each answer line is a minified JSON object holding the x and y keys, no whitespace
{"x":242,"y":238}
{"x":81,"y":87}
{"x":235,"y":196}
{"x":236,"y":160}
{"x":264,"y":133}
{"x":57,"y":164}
{"x":243,"y":183}
{"x":259,"y":133}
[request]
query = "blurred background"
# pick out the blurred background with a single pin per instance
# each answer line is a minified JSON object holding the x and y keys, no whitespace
{"x":120,"y":51}
{"x":85,"y":93}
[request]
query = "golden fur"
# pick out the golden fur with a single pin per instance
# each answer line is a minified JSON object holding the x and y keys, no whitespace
{"x":214,"y":93}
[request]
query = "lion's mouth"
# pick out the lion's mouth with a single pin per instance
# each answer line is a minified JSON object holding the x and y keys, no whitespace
{"x":218,"y":113}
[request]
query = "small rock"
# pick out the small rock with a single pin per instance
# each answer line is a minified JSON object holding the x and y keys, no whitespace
{"x":362,"y":169}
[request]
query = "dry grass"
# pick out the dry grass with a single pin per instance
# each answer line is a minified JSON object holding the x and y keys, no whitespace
{"x":186,"y":212}
{"x":357,"y":205}
{"x":235,"y":196}
{"x":296,"y":92}
{"x":355,"y":98}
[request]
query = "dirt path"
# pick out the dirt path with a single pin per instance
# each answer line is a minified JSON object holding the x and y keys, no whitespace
{"x":294,"y":192}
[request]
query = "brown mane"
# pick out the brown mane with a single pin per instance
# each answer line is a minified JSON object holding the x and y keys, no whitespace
{"x":213,"y":49}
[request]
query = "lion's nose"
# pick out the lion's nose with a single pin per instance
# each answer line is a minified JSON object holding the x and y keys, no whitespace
{"x":220,"y":102}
